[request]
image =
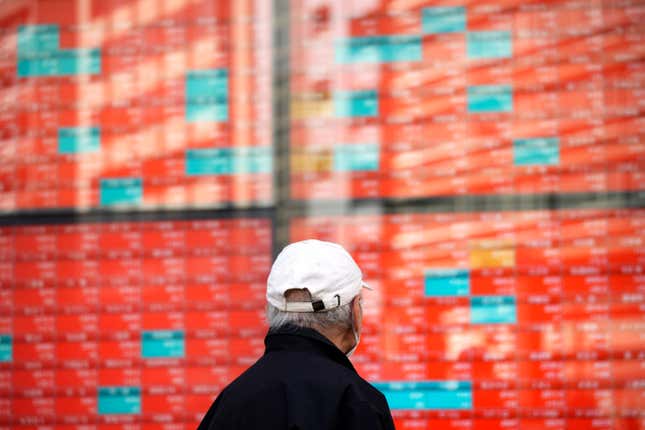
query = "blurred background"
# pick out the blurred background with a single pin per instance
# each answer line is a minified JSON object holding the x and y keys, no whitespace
{"x":483,"y":161}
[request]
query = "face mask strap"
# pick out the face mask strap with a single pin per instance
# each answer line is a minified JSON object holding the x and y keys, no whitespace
{"x":357,"y":338}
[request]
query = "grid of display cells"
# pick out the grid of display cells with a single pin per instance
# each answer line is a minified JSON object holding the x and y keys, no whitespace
{"x":479,"y":320}
{"x":417,"y":99}
{"x":495,"y":320}
{"x":105,"y":105}
{"x":128,"y":322}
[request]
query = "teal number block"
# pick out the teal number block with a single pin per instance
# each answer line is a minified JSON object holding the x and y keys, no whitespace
{"x":207,"y":112}
{"x":207,"y":95}
{"x":119,"y":400}
{"x":79,"y":140}
{"x":427,"y":395}
{"x":6,"y":348}
{"x":378,"y":49}
{"x":37,"y":40}
{"x":538,"y":151}
{"x":228,"y":161}
{"x":493,"y":310}
{"x":163,"y":344}
{"x":121,"y":191}
{"x":216,"y":111}
{"x":447,"y":282}
{"x":39,"y":54}
{"x":356,"y":103}
{"x":26,"y":67}
{"x":358,"y":50}
{"x":202,"y":84}
{"x":490,"y":98}
{"x":79,"y":62}
{"x":46,"y":65}
{"x":357,"y":157}
{"x":209,"y":161}
{"x":70,"y":62}
{"x":489,"y":44}
{"x":437,"y":20}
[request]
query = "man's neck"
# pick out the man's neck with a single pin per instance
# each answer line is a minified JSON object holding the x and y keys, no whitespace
{"x":343,"y":341}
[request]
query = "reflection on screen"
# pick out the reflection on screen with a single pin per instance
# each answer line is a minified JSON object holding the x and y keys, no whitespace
{"x":135,"y":103}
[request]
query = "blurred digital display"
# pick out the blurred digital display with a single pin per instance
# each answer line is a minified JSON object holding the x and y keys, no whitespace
{"x":501,"y":320}
{"x":514,"y":320}
{"x":127,"y":323}
{"x":427,"y":98}
{"x":135,"y":103}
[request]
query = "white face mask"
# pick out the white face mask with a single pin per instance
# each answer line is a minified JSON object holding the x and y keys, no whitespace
{"x":357,"y":337}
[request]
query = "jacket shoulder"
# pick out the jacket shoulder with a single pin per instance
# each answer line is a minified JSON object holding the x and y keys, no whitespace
{"x":365,"y":408}
{"x":281,"y":387}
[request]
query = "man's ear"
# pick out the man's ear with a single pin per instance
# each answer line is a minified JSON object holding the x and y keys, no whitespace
{"x":357,"y":314}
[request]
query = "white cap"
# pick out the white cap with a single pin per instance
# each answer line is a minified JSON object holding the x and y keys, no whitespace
{"x":325,"y":269}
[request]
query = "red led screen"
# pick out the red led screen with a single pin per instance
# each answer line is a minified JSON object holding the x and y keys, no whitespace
{"x":134,"y":103}
{"x":514,"y":320}
{"x":443,"y":98}
{"x":526,"y":316}
{"x":127,"y":323}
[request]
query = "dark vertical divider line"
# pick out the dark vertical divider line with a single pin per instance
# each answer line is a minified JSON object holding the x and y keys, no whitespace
{"x":281,"y":124}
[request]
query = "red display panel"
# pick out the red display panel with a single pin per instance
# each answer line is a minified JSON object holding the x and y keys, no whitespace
{"x":510,"y":320}
{"x":537,"y":314}
{"x":116,"y":103}
{"x":425,"y":98}
{"x":127,"y":323}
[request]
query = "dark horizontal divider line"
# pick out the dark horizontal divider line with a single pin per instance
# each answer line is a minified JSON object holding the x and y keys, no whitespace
{"x":294,"y":208}
{"x":470,"y":203}
{"x":69,"y":216}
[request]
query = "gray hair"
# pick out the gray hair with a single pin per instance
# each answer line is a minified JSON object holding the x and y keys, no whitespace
{"x":339,"y":318}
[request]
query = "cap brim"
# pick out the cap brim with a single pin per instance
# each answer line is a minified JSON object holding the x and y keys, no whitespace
{"x":364,"y":285}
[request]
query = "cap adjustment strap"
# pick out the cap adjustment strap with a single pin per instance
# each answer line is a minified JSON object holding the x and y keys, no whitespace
{"x":315,"y":306}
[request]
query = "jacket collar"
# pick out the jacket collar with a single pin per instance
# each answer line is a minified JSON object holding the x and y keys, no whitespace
{"x":294,"y":338}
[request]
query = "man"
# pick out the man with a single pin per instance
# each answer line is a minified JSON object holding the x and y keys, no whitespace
{"x":304,"y":380}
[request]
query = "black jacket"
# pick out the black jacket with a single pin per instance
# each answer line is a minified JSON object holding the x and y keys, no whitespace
{"x":302,"y":382}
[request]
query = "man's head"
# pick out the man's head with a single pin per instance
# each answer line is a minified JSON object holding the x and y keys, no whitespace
{"x":317,"y":285}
